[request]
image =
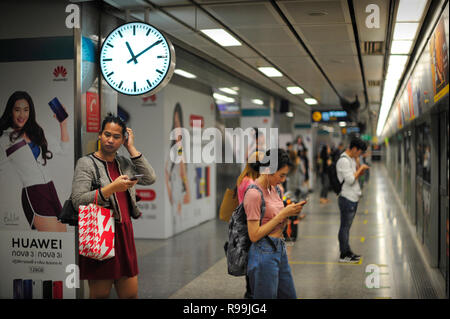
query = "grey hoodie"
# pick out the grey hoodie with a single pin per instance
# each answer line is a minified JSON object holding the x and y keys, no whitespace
{"x":82,"y":193}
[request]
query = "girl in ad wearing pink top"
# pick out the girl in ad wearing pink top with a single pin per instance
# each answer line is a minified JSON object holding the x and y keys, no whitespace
{"x":268,"y":268}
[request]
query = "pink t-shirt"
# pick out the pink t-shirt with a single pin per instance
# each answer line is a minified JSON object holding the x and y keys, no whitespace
{"x":246,"y":181}
{"x":274,"y":204}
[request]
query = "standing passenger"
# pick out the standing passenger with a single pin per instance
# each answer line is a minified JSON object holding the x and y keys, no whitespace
{"x":268,"y":268}
{"x":348,"y":173}
{"x":248,"y":177}
{"x":325,"y":155}
{"x":119,"y":194}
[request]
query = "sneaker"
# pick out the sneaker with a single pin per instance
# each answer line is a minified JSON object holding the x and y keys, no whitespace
{"x":355,"y":255}
{"x":349,"y":258}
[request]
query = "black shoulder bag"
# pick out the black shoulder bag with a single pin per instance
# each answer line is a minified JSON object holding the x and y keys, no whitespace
{"x":69,"y":215}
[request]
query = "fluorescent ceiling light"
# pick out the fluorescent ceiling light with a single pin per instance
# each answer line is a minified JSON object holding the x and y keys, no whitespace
{"x":229,"y":91}
{"x":410,"y":10}
{"x":405,"y":31}
{"x":223,"y":98}
{"x":258,"y":101}
{"x":398,"y":60}
{"x":289,"y":114}
{"x":295,"y":90}
{"x":222,"y":37}
{"x":185,"y":74}
{"x":270,"y":71}
{"x":310,"y":101}
{"x":401,"y":46}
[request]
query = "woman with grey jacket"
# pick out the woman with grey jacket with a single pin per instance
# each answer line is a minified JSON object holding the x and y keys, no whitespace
{"x":116,"y":192}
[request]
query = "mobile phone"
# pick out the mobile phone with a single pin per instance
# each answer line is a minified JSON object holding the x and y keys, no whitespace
{"x":135,"y":177}
{"x":17,"y":289}
{"x":58,"y":109}
{"x":57,"y":290}
{"x":27,"y":289}
{"x":37,"y":289}
{"x":47,"y":288}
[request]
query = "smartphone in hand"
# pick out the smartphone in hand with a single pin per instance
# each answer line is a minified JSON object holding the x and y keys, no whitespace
{"x":58,"y":109}
{"x":135,"y":177}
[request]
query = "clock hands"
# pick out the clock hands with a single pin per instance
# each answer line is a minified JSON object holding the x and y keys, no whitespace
{"x":142,"y":52}
{"x":133,"y":57}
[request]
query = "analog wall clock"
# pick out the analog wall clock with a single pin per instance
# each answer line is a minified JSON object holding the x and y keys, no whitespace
{"x":136,"y":58}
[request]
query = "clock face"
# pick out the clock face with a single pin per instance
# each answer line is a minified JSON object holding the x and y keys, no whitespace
{"x":137,"y":59}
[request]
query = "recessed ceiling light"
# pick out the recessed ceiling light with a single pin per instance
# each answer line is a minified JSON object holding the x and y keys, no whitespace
{"x":223,"y":98}
{"x":310,"y":101}
{"x":405,"y":31}
{"x":185,"y":74}
{"x":222,"y":37}
{"x":229,"y":91}
{"x":258,"y":101}
{"x":295,"y":90}
{"x":410,"y":10}
{"x":401,"y":46}
{"x":270,"y":71}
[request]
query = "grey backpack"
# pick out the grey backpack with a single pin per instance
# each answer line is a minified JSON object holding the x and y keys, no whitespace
{"x":238,"y":244}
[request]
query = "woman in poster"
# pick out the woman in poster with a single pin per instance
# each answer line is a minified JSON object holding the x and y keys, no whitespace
{"x":176,"y":173}
{"x":23,"y":144}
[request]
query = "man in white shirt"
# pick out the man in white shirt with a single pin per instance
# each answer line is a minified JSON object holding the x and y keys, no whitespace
{"x":348,"y":172}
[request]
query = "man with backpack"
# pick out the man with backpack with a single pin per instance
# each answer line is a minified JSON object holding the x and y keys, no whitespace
{"x":348,"y":174}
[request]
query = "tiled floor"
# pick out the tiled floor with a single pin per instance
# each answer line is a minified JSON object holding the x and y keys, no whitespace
{"x":193,"y":265}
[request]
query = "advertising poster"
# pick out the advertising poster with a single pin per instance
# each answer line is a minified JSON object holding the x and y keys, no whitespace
{"x":189,"y":182}
{"x":184,"y":194}
{"x":146,"y":119}
{"x":410,"y":101}
{"x":439,"y":61}
{"x":36,"y":170}
{"x":399,"y":115}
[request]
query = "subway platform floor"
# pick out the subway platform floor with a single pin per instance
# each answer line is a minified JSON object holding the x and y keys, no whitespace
{"x":393,"y":265}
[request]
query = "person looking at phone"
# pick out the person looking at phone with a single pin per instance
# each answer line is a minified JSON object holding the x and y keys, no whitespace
{"x":268,"y":268}
{"x":24,"y":145}
{"x":348,"y":173}
{"x":118,"y":193}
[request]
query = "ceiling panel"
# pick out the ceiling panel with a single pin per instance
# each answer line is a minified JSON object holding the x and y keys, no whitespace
{"x":193,"y":17}
{"x":271,"y":35}
{"x":246,"y":15}
{"x":373,"y":66}
{"x":326,"y":33}
{"x":333,"y":48}
{"x":281,"y":50}
{"x":314,"y":12}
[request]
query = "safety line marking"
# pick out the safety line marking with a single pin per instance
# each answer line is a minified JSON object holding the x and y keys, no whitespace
{"x":325,"y":263}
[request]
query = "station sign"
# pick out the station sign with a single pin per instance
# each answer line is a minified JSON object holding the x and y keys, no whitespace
{"x":329,"y":116}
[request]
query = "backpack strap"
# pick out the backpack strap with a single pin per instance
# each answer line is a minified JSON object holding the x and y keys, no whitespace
{"x":341,"y":156}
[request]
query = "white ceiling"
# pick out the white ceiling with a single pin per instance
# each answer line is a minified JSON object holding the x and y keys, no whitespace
{"x":324,"y":26}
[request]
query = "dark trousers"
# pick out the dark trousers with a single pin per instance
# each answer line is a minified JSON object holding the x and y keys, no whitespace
{"x":325,"y":186}
{"x":348,"y":212}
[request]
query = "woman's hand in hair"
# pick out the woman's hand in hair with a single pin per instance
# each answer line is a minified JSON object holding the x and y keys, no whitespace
{"x":129,"y":143}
